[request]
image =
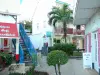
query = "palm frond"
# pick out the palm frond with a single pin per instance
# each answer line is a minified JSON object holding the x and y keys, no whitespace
{"x":52,"y":18}
{"x":54,"y":22}
{"x":52,"y":12}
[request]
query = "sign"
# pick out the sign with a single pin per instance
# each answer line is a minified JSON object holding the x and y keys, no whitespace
{"x":87,"y":60}
{"x":8,"y":30}
{"x":48,"y":34}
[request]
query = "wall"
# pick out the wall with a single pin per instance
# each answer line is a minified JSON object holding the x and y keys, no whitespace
{"x":12,"y":6}
{"x":37,"y":40}
{"x":93,"y":24}
{"x":91,"y":27}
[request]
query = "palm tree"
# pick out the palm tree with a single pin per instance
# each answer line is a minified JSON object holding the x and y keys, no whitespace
{"x":63,"y":15}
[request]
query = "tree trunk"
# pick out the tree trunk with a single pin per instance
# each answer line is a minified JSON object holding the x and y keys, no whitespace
{"x":55,"y":70}
{"x":65,"y":30}
{"x":59,"y":69}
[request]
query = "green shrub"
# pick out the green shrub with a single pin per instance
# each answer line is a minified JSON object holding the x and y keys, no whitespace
{"x":68,"y":48}
{"x":50,"y":49}
{"x":30,"y":71}
{"x":7,"y":58}
{"x":77,"y":53}
{"x":57,"y":58}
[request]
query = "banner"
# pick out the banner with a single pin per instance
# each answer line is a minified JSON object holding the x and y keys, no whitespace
{"x":8,"y":30}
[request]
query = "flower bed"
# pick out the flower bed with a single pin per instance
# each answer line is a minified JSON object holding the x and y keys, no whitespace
{"x":5,"y":60}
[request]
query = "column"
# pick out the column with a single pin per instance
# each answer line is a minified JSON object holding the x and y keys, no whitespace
{"x":10,"y":45}
{"x":17,"y":49}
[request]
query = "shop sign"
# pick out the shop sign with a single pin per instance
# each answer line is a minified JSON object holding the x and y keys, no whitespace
{"x":8,"y":30}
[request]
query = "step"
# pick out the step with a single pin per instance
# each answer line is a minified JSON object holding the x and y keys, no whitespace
{"x":22,"y":43}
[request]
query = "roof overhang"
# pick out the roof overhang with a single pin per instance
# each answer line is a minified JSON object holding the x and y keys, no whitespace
{"x":84,"y":10}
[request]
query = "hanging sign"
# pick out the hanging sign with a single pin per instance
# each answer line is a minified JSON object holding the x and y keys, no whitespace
{"x":8,"y":30}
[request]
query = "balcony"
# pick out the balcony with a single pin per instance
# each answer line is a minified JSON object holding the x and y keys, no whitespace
{"x":59,"y":31}
{"x":79,"y":32}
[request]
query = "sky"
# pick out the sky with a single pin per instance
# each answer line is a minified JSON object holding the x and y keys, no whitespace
{"x":36,"y":11}
{"x":32,"y":8}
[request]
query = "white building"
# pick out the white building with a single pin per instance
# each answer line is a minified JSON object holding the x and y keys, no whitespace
{"x":9,"y":10}
{"x":87,"y":12}
{"x":40,"y":27}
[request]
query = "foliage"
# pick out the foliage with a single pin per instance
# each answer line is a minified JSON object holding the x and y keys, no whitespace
{"x":63,"y":14}
{"x":77,"y":53}
{"x":57,"y":58}
{"x":30,"y":71}
{"x":50,"y":49}
{"x":7,"y":58}
{"x":68,"y":48}
{"x":28,"y":25}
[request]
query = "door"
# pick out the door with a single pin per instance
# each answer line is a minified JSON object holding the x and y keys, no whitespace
{"x":95,"y":52}
{"x":6,"y":43}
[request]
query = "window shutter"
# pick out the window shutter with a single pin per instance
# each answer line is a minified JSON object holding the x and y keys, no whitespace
{"x":99,"y":46}
{"x":85,"y":43}
{"x":89,"y":44}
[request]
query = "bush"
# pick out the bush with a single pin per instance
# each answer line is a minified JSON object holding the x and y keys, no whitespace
{"x":68,"y":48}
{"x":57,"y":58}
{"x":50,"y":49}
{"x":77,"y":53}
{"x":7,"y":58}
{"x":30,"y":71}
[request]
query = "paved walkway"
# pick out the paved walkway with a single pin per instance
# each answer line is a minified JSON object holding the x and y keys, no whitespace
{"x":4,"y":72}
{"x":73,"y":67}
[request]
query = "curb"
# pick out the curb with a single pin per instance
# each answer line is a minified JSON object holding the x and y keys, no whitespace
{"x":74,"y":57}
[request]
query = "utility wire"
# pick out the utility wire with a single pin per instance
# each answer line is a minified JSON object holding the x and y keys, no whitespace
{"x":35,"y":9}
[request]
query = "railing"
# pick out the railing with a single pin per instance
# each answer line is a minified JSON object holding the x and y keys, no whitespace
{"x":60,"y":31}
{"x":79,"y":32}
{"x":14,"y":43}
{"x":21,"y":52}
{"x":28,"y":44}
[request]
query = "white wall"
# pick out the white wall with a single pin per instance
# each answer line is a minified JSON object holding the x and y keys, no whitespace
{"x":37,"y":41}
{"x":40,"y":17}
{"x":93,"y":24}
{"x":12,"y":6}
{"x":91,"y":27}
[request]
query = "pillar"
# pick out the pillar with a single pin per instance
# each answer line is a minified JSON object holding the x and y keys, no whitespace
{"x":10,"y":45}
{"x":17,"y":50}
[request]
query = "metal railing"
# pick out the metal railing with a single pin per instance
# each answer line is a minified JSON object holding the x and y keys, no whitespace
{"x":28,"y":44}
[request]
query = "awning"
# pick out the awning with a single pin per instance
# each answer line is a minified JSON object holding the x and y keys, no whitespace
{"x":8,"y":30}
{"x":84,"y":10}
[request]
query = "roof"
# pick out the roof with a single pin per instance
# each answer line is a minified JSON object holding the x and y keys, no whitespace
{"x":84,"y":10}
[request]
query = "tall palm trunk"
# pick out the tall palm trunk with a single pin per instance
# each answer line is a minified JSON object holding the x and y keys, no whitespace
{"x":65,"y":30}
